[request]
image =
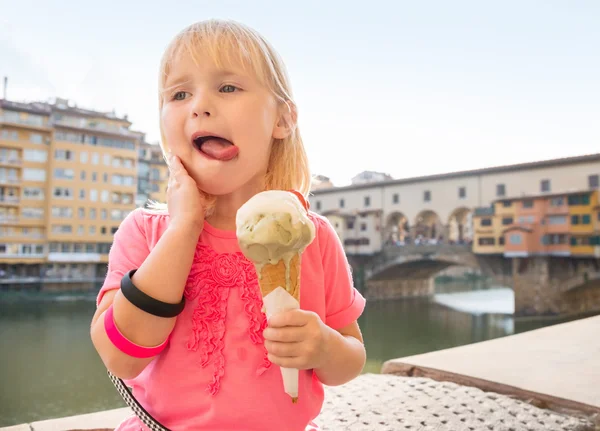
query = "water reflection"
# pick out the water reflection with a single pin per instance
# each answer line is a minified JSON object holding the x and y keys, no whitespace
{"x":49,"y":368}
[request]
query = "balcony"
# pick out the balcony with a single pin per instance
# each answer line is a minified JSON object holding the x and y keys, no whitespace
{"x":86,"y":125}
{"x":9,"y":200}
{"x":10,"y":181}
{"x":10,"y":162}
{"x":34,"y":124}
{"x":9,"y":219}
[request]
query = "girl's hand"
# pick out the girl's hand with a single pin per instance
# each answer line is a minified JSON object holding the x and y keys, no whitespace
{"x":297,"y":339}
{"x":185,"y":201}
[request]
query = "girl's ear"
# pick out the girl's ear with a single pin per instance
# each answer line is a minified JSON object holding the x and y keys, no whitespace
{"x":286,"y":123}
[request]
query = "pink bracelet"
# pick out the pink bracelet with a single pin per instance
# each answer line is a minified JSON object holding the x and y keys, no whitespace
{"x":126,"y":346}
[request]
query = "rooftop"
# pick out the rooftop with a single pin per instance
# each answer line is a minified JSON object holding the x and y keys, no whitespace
{"x":468,"y":173}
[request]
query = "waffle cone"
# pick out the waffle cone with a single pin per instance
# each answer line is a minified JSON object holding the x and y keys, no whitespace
{"x":273,"y":276}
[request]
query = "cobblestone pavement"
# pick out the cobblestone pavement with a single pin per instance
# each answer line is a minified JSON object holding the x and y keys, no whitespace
{"x":388,"y":402}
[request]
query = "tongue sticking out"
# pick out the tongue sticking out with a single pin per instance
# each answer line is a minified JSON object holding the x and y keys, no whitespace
{"x":219,"y":149}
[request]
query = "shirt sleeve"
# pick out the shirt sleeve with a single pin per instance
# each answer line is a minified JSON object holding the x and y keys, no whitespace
{"x":344,"y":303}
{"x":128,"y":251}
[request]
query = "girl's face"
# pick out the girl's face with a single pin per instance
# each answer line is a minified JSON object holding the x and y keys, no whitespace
{"x":221,"y":124}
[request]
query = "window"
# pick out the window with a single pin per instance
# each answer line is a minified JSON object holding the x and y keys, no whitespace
{"x":62,"y":212}
{"x":507,"y":220}
{"x":82,"y":194}
{"x":63,"y":193}
{"x":486,"y":222}
{"x":593,"y":181}
{"x":585,"y":219}
{"x":515,"y":239}
{"x":462,"y":192}
{"x":528,"y":203}
{"x":350,"y":224}
{"x":64,"y":174}
{"x":39,"y":156}
{"x":36,"y":138}
{"x":105,"y":177}
{"x":103,"y":230}
{"x":115,"y":215}
{"x":557,"y":202}
{"x":575,"y":200}
{"x":83,"y":157}
{"x":487,"y":241}
{"x":32,"y":213}
{"x":545,"y":186}
{"x":104,"y":197}
{"x":81,"y":213}
{"x":113,"y":230}
{"x":526,"y":219}
{"x":367,"y":201}
{"x":426,"y":196}
{"x":574,"y":219}
{"x":95,"y":158}
{"x":103,"y":214}
{"x":92,"y":230}
{"x":92,"y":213}
{"x":33,"y":193}
{"x":30,"y":174}
{"x":506,"y":204}
{"x":82,"y":175}
{"x":501,"y":240}
{"x":500,"y":190}
{"x":94,"y":177}
{"x":342,"y":203}
{"x":10,"y":135}
{"x":63,"y":155}
{"x":318,"y":205}
{"x":61,"y":228}
{"x":557,"y":219}
{"x":363,"y":227}
{"x":396,"y":198}
{"x":106,"y":159}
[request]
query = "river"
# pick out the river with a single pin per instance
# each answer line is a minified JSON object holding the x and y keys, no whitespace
{"x":49,"y":368}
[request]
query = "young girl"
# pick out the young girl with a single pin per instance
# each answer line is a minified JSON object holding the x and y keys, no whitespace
{"x":179,"y":316}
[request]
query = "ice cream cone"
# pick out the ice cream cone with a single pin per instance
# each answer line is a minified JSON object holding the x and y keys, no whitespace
{"x":270,"y":277}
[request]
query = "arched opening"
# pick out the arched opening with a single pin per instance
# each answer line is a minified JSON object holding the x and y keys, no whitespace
{"x":428,"y":228}
{"x":397,"y":229}
{"x":460,"y":226}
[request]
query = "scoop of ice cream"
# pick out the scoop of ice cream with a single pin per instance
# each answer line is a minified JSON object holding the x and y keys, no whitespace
{"x":273,"y":225}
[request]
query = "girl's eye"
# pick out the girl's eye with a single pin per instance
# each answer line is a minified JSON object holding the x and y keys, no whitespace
{"x":180,"y":95}
{"x":228,"y":89}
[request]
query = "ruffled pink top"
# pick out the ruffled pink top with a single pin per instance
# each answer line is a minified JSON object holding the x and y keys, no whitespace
{"x":214,"y":374}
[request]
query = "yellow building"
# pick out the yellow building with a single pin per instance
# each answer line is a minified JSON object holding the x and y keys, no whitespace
{"x":153,"y":174}
{"x":583,"y":214}
{"x":68,"y":177}
{"x":488,"y":227}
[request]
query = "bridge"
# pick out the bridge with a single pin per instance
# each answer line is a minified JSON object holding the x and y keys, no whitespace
{"x":543,"y":285}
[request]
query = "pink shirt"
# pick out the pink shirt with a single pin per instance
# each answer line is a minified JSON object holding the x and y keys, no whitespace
{"x":214,"y":374}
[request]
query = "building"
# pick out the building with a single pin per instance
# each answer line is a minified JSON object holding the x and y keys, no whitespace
{"x":320,"y":182}
{"x":367,"y":177}
{"x":442,"y":207}
{"x":153,"y":175}
{"x":562,"y":224}
{"x":360,"y":232}
{"x":68,"y":177}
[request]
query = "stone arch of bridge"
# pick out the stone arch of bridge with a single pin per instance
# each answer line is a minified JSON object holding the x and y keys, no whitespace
{"x":460,"y":226}
{"x":397,"y":228}
{"x":428,"y":227}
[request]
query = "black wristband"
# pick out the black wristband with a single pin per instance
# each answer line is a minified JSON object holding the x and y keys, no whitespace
{"x":147,"y":303}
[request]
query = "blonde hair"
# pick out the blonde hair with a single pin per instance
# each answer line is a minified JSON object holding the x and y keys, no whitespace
{"x":230,"y":42}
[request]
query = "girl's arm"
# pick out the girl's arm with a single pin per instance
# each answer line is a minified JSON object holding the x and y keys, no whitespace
{"x":344,"y":357}
{"x":162,"y":276}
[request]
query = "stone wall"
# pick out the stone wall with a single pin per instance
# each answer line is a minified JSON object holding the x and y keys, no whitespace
{"x":397,"y":289}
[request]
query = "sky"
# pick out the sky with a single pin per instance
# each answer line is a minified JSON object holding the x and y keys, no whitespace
{"x":403,"y":87}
